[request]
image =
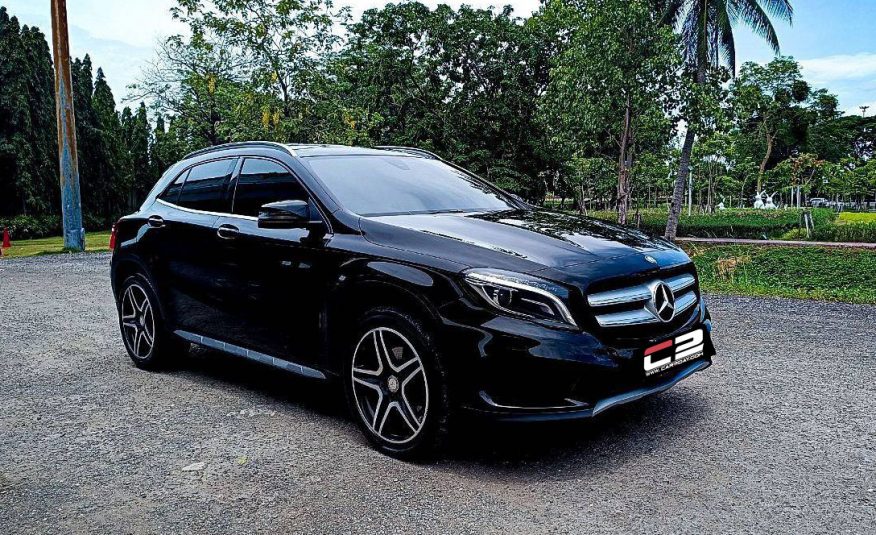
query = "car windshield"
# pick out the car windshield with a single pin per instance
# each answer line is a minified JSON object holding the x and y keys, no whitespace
{"x":390,"y":185}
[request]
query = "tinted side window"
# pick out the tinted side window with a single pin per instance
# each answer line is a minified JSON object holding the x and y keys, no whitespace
{"x":262,"y":182}
{"x":205,"y":186}
{"x":171,"y":194}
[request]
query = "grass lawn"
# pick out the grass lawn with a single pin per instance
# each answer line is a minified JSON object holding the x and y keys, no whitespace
{"x":801,"y":272}
{"x":856,"y":217}
{"x":94,"y":242}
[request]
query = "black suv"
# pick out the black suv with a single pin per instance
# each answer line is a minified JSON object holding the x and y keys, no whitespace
{"x":425,"y":289}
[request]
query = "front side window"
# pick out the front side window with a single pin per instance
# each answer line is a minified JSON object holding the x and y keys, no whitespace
{"x":262,"y":182}
{"x":204,"y":188}
{"x":388,"y":185}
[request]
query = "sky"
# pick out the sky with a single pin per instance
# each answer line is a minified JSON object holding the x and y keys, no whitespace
{"x":834,"y":41}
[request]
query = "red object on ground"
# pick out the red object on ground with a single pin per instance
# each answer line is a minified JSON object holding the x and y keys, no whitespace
{"x":6,"y":242}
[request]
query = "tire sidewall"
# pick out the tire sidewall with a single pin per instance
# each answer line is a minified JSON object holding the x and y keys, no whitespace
{"x":431,"y":437}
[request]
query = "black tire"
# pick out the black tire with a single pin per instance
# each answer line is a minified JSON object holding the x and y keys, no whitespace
{"x":404,"y":338}
{"x":164,"y":346}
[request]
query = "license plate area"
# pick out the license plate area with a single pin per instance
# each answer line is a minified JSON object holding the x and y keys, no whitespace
{"x":674,"y":352}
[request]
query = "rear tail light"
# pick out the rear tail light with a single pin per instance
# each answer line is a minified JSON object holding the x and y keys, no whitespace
{"x":112,"y":244}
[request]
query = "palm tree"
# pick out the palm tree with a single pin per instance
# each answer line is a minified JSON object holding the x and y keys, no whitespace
{"x":706,"y":29}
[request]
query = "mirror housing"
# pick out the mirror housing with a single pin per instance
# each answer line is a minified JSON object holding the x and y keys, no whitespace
{"x":285,"y":215}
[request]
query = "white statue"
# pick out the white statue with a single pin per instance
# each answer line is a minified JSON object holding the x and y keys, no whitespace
{"x":758,"y":200}
{"x":770,"y":205}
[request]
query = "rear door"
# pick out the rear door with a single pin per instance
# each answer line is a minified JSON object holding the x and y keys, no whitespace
{"x":273,"y":279}
{"x":186,"y":257}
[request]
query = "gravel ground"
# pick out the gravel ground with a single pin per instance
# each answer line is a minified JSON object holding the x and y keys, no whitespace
{"x":777,"y":436}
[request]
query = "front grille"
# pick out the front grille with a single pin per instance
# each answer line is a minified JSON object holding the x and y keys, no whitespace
{"x":621,"y":310}
{"x":629,"y":306}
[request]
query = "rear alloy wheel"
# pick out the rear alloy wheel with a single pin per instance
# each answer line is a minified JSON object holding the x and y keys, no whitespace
{"x":148,"y":343}
{"x":396,"y":386}
{"x":138,"y":322}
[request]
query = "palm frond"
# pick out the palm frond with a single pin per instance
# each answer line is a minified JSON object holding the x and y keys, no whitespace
{"x":725,"y":41}
{"x":752,"y":15}
{"x":779,"y":9}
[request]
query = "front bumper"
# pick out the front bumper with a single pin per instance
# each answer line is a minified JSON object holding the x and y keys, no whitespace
{"x":580,"y":411}
{"x":511,"y":369}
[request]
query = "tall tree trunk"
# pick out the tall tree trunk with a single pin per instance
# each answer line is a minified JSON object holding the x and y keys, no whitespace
{"x":683,"y":167}
{"x":623,"y":179}
{"x":680,"y":183}
{"x":765,"y":161}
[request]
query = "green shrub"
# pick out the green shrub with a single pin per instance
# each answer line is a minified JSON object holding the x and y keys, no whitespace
{"x":734,"y":223}
{"x":835,"y":274}
{"x":26,"y":227}
{"x":850,"y":232}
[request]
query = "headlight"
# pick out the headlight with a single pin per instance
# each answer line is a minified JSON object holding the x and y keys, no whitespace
{"x":522,"y":295}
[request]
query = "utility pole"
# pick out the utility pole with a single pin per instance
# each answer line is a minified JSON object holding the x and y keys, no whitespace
{"x":71,"y":202}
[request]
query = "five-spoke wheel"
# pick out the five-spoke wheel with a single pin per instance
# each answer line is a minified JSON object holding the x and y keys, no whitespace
{"x":390,"y":385}
{"x":396,"y":383}
{"x":138,"y":321}
{"x":146,"y":338}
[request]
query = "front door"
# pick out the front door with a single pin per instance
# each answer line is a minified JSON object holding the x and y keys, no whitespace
{"x":273,"y":280}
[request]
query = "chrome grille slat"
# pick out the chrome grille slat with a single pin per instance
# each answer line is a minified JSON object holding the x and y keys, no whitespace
{"x":628,"y":317}
{"x":680,"y":282}
{"x":620,"y":296}
{"x":685,"y":302}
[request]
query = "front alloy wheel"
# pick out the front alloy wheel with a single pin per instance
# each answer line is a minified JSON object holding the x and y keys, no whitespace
{"x":390,"y":386}
{"x":396,"y":384}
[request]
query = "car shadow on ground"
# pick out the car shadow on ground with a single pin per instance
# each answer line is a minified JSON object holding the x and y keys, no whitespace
{"x":556,"y":450}
{"x":574,"y":449}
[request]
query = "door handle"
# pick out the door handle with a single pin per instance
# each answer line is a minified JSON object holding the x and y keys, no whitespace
{"x":227,"y":232}
{"x":155,"y":221}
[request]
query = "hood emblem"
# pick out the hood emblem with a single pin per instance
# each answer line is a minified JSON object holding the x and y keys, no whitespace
{"x":662,"y":303}
{"x":651,"y":259}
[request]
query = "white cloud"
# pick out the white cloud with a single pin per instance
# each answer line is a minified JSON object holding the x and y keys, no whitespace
{"x":856,"y":110}
{"x":823,"y":71}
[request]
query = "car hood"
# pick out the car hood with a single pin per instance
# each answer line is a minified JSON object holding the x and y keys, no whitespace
{"x":525,"y":240}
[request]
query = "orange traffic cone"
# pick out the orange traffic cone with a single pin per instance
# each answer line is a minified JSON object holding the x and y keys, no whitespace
{"x":6,"y":243}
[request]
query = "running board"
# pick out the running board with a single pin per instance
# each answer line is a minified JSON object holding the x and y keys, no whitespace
{"x":238,"y":351}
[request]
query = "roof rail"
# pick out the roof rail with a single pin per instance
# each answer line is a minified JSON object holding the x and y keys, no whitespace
{"x":239,"y":144}
{"x":410,"y":150}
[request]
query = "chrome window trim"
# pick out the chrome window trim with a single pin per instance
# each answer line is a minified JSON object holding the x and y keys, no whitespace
{"x":205,"y":212}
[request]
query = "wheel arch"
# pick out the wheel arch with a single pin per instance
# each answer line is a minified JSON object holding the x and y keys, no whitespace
{"x":378,"y":284}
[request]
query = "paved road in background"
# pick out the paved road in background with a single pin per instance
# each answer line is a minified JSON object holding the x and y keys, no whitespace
{"x":779,"y":436}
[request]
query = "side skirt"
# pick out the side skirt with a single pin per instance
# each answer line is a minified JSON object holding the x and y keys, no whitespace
{"x":249,"y":354}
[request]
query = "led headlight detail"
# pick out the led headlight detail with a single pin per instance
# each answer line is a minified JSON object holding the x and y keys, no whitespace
{"x":521,"y":295}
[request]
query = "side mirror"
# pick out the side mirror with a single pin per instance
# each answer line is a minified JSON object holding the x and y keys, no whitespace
{"x":285,"y":214}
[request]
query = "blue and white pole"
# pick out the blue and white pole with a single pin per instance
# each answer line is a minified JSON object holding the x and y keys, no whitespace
{"x":71,"y":201}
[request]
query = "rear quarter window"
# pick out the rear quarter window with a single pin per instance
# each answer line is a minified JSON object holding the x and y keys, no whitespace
{"x":205,"y":185}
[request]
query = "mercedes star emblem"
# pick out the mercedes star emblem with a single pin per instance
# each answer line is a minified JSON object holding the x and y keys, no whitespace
{"x":663,"y":302}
